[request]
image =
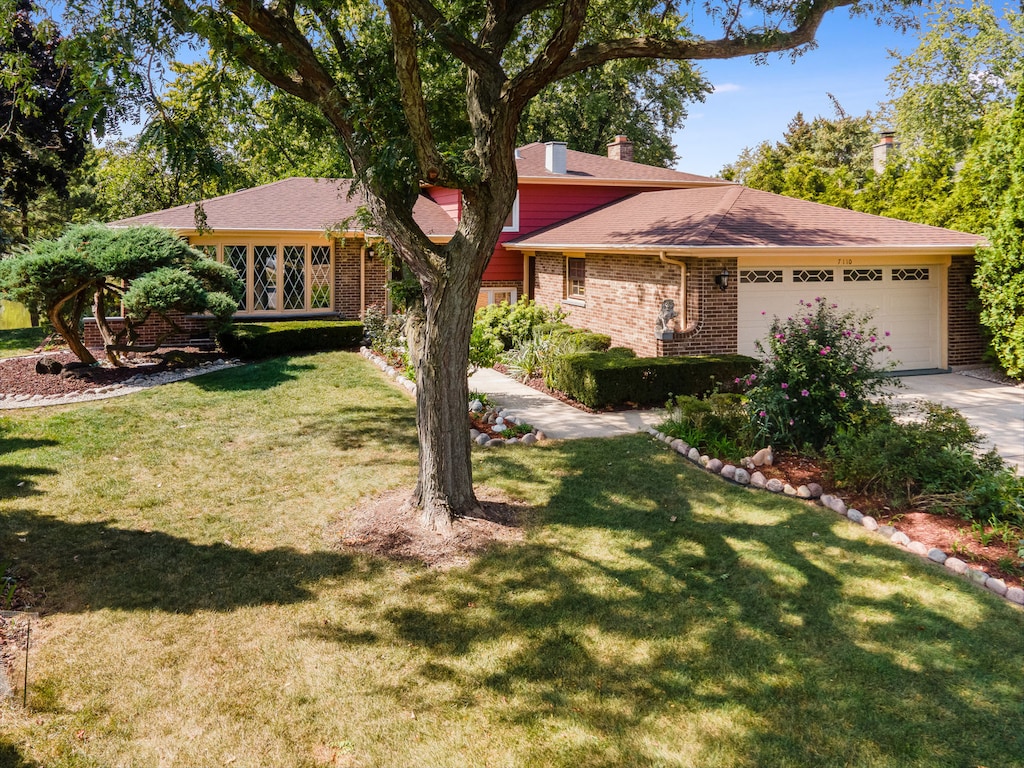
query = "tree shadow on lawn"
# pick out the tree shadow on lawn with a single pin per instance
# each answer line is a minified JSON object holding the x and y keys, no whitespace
{"x":91,"y":566}
{"x":765,"y":637}
{"x":16,"y":479}
{"x":258,"y":375}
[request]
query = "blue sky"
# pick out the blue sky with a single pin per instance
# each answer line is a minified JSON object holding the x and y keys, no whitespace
{"x":754,"y":103}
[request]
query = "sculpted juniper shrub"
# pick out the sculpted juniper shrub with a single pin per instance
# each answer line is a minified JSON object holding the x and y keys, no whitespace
{"x":819,"y":370}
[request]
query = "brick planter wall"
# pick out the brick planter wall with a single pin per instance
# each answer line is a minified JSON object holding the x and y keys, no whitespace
{"x":193,"y":328}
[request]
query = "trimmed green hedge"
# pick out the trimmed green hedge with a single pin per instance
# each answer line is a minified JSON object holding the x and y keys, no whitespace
{"x":256,"y":340}
{"x":599,"y":379}
{"x":584,"y":340}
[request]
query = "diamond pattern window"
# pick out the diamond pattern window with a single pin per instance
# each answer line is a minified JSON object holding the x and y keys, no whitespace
{"x":320,"y":277}
{"x":264,"y":277}
{"x":761,"y":276}
{"x":920,"y":273}
{"x":862,"y":275}
{"x":293,"y":274}
{"x":812,"y":275}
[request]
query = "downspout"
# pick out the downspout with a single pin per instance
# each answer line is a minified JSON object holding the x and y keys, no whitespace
{"x":362,"y":280}
{"x":682,"y":286}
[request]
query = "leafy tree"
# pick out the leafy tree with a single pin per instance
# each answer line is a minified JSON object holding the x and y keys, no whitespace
{"x":148,"y":270}
{"x":40,"y":141}
{"x":643,"y":99}
{"x":826,"y":160}
{"x":964,"y":66}
{"x":418,"y":92}
{"x":1000,"y":274}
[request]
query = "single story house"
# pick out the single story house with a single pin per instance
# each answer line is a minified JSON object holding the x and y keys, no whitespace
{"x":609,"y":241}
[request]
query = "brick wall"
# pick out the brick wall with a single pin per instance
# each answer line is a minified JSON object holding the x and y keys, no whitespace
{"x":966,"y":340}
{"x":193,"y":327}
{"x":347,"y":254}
{"x":624,"y":294}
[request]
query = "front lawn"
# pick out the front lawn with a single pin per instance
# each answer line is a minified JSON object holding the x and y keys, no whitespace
{"x":197,"y":611}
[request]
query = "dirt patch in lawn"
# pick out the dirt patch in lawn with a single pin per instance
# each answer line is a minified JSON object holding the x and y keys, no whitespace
{"x":389,"y":526}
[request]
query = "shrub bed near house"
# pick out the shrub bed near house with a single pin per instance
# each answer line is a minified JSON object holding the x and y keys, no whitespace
{"x":614,"y":377}
{"x":252,"y":341}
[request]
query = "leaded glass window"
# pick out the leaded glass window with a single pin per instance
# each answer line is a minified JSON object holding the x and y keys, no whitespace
{"x":293,"y":274}
{"x":235,"y":257}
{"x":264,"y":277}
{"x":320,"y":277}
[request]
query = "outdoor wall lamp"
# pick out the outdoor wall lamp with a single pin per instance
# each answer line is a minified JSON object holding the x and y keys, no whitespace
{"x":722,"y":279}
{"x":370,"y":253}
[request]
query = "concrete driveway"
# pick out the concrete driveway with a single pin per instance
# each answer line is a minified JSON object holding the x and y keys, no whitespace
{"x":996,"y":410}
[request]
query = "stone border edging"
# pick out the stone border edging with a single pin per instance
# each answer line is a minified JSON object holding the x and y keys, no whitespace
{"x":136,"y":383}
{"x":501,"y":415}
{"x":741,"y":476}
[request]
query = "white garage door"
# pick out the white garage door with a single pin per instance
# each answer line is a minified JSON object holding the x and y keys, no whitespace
{"x":903,"y":300}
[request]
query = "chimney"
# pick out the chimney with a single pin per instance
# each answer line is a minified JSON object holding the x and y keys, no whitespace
{"x":881,"y":151}
{"x":555,"y":156}
{"x":621,"y":148}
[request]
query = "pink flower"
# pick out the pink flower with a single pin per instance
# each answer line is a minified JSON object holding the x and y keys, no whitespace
{"x":842,"y":393}
{"x":804,"y":393}
{"x":871,"y":338}
{"x":763,"y":414}
{"x":824,"y":351}
{"x":886,"y":333}
{"x":785,"y":385}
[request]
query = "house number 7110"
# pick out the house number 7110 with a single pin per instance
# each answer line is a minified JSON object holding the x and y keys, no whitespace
{"x":844,"y":261}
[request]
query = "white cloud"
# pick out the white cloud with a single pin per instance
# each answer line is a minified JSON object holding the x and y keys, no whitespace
{"x":728,"y":88}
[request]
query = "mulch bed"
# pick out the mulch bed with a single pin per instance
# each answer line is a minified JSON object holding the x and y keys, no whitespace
{"x":18,"y":375}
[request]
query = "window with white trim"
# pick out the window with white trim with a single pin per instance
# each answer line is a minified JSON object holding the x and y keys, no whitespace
{"x":512,"y":221}
{"x":497,"y":295}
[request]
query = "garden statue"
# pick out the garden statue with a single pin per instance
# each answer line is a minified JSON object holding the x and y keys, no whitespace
{"x":663,"y":327}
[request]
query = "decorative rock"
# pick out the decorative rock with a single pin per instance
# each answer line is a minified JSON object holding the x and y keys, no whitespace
{"x":855,"y":514}
{"x":684,"y":448}
{"x":789,"y":490}
{"x":815,"y":489}
{"x":482,"y":439}
{"x":512,"y":441}
{"x":529,"y":439}
{"x":48,"y":365}
{"x":693,"y":455}
{"x":937,"y":555}
{"x":540,"y":435}
{"x":774,"y":485}
{"x":996,"y":585}
{"x":956,"y":565}
{"x":704,"y":460}
{"x":757,"y":480}
{"x":763,"y":458}
{"x":977,"y":576}
{"x":499,"y":420}
{"x":826,"y":500}
{"x":715,"y":465}
{"x":746,"y":462}
{"x":728,"y":472}
{"x":900,"y":538}
{"x":870,"y":523}
{"x":1015,"y":595}
{"x":886,"y":530}
{"x":742,"y":476}
{"x":495,"y":443}
{"x":803,"y":492}
{"x":918,"y":548}
{"x":674,"y":445}
{"x":838,"y":506}
{"x":500,"y":427}
{"x":474,"y":434}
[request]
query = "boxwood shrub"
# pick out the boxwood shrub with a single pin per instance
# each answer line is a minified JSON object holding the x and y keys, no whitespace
{"x":599,"y":379}
{"x":257,"y":340}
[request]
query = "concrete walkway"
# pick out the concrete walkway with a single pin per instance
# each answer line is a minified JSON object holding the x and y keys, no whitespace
{"x":556,"y":419}
{"x":996,"y":410}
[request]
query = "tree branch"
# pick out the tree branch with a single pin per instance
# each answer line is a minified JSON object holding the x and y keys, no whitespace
{"x":754,"y":42}
{"x":438,"y":27}
{"x":410,"y":86}
{"x":546,"y":67}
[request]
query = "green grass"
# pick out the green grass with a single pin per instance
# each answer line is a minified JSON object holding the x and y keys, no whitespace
{"x":20,"y":341}
{"x":197,"y":612}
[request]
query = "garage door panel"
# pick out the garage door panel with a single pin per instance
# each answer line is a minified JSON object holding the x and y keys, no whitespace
{"x":905,"y":302}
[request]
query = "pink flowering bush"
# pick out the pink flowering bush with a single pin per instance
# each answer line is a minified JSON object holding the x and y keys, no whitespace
{"x":818,"y":373}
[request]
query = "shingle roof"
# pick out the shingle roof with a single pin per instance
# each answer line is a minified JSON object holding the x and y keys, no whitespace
{"x":582,"y":167}
{"x":730,"y":217}
{"x":296,"y":205}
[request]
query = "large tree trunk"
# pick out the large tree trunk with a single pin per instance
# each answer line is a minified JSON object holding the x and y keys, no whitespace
{"x":438,"y":330}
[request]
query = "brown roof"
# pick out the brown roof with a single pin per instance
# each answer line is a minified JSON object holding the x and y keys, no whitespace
{"x":584,"y":168}
{"x":295,"y":205}
{"x":733,"y":217}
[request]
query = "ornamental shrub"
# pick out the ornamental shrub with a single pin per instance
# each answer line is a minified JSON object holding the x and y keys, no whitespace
{"x":819,"y":370}
{"x":512,"y":324}
{"x":253,"y":341}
